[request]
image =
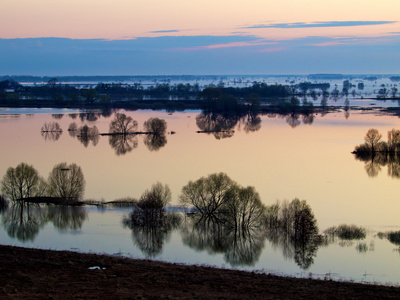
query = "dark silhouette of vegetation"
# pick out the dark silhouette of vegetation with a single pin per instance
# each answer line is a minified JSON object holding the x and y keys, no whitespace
{"x":149,"y":222}
{"x":156,"y":130}
{"x":22,"y":182}
{"x":150,"y":208}
{"x":3,"y":203}
{"x":347,"y":232}
{"x":292,"y":226}
{"x":123,"y":124}
{"x":86,"y":134}
{"x":216,"y":124}
{"x":51,"y":131}
{"x":155,"y":126}
{"x":219,"y":198}
{"x":66,"y":182}
{"x":376,"y":153}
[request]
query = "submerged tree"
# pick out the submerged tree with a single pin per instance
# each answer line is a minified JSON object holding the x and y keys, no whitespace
{"x":155,"y":126}
{"x":207,"y":194}
{"x":123,"y":124}
{"x":73,"y":129}
{"x":149,"y":222}
{"x":372,"y":138}
{"x":51,"y":131}
{"x":88,"y":134}
{"x":156,"y":133}
{"x":151,"y":206}
{"x":51,"y":127}
{"x":21,"y":182}
{"x":218,"y":125}
{"x":67,"y":182}
{"x":292,"y":226}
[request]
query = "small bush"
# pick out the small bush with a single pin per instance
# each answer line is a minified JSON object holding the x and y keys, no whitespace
{"x":394,"y":237}
{"x":347,"y":232}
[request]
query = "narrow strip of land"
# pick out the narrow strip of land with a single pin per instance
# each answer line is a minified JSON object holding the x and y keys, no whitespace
{"x":43,"y":274}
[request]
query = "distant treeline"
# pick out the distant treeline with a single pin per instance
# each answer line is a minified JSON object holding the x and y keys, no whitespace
{"x":107,"y":93}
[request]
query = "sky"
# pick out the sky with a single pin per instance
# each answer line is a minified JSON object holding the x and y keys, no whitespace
{"x":175,"y":37}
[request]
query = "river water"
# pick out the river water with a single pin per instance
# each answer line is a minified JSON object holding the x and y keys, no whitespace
{"x":283,"y":157}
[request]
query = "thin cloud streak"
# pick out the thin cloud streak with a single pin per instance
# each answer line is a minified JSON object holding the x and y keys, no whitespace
{"x":319,"y":24}
{"x":227,"y":45}
{"x":165,"y":31}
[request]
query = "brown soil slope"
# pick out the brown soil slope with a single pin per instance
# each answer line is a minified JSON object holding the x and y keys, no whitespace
{"x":42,"y":274}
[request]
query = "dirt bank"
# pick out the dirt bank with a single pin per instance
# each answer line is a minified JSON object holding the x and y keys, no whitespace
{"x":43,"y":274}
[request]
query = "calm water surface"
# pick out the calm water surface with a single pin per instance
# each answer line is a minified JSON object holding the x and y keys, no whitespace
{"x":282,"y":157}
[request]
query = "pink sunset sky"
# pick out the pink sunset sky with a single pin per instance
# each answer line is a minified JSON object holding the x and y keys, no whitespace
{"x":199,"y":37}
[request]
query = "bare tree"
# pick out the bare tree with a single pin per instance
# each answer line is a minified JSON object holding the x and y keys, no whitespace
{"x":123,"y":124}
{"x":372,"y":138}
{"x":207,"y":194}
{"x":51,"y":131}
{"x":155,"y":126}
{"x":73,"y":129}
{"x":393,"y":140}
{"x":51,"y":127}
{"x":21,"y":182}
{"x":88,"y":134}
{"x":66,"y":181}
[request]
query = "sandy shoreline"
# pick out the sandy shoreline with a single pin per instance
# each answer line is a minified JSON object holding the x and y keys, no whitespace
{"x":27,"y":273}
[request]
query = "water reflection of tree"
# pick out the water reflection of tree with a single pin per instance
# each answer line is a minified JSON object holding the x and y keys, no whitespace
{"x":67,"y":217}
{"x":86,"y":134}
{"x":155,"y":142}
{"x":23,"y":221}
{"x":218,"y":125}
{"x":123,"y":143}
{"x":251,"y":122}
{"x":293,"y":120}
{"x":150,"y":238}
{"x":293,"y":227}
{"x":227,"y":218}
{"x":51,"y":131}
{"x":156,"y":137}
{"x":240,"y":246}
{"x":375,"y":161}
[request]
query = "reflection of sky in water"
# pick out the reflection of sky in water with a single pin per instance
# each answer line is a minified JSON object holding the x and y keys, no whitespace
{"x":23,"y":111}
{"x":311,"y":162}
{"x":102,"y":232}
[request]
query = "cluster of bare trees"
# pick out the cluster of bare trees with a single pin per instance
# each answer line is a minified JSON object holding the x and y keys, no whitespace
{"x":219,"y":198}
{"x":376,"y":153}
{"x":85,"y":134}
{"x":64,"y":182}
{"x":374,"y":144}
{"x":51,"y":131}
{"x":123,"y":132}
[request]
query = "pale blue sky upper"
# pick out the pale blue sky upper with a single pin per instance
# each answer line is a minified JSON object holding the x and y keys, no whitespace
{"x":90,"y":37}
